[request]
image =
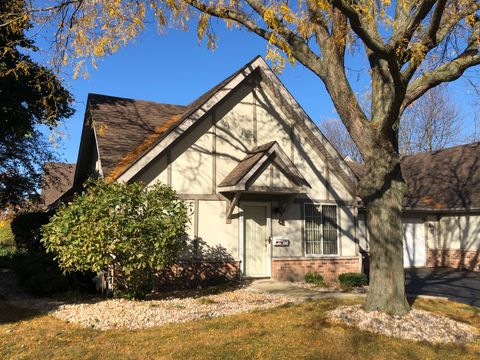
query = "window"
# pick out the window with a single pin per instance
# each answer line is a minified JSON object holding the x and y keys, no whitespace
{"x":321,"y":236}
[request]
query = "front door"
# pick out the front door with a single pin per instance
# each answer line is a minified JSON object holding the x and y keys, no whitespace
{"x":256,"y":240}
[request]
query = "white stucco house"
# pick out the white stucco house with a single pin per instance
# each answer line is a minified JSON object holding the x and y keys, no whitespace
{"x":266,"y":187}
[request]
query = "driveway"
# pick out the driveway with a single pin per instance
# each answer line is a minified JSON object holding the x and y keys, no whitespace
{"x":458,"y":285}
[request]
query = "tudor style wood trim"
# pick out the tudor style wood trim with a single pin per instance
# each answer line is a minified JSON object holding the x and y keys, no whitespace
{"x":255,"y":123}
{"x":232,"y":206}
{"x":196,"y":216}
{"x":214,"y":152}
{"x":169,"y":167}
{"x":200,"y":197}
{"x":321,"y":144}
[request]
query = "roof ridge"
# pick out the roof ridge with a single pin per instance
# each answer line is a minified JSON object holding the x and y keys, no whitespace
{"x":263,"y":147}
{"x":130,"y":99}
{"x":434,"y":152}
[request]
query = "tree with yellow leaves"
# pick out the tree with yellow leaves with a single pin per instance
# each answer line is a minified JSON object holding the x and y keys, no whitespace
{"x":411,"y":46}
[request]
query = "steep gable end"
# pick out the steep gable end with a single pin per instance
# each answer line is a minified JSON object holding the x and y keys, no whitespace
{"x":217,"y":95}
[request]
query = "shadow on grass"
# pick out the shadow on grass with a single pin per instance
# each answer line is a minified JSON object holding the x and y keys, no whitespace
{"x":10,"y":314}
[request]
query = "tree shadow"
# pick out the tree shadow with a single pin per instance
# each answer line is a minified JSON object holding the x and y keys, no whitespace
{"x":10,"y":314}
{"x":200,"y":265}
{"x":456,"y":285}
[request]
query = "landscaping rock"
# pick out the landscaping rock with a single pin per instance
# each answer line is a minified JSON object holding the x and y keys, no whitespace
{"x":121,"y":313}
{"x":417,"y":325}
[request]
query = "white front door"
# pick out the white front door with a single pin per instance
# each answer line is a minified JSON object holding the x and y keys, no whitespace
{"x":256,"y":240}
{"x":414,"y":252}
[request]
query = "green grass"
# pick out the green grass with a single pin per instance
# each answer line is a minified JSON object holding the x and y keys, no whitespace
{"x":299,"y":332}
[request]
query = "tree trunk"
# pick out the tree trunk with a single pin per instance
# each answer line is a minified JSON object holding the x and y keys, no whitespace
{"x":383,"y":190}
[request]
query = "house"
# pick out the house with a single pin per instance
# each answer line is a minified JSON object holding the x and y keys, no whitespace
{"x":271,"y":196}
{"x":57,"y":180}
{"x":441,"y":213}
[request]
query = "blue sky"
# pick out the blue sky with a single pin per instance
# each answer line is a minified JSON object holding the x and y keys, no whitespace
{"x":175,"y":68}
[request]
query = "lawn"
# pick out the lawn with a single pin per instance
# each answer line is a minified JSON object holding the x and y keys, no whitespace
{"x":298,"y":332}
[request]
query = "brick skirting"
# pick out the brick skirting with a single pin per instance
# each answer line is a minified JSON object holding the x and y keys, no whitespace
{"x":199,"y":273}
{"x":330,"y":268}
{"x":457,"y":259}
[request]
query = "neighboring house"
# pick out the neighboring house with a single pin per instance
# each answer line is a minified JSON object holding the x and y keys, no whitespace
{"x":442,"y":208}
{"x":57,"y":180}
{"x":269,"y":192}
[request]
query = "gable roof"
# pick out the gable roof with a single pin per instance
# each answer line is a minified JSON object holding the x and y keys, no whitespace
{"x":198,"y":108}
{"x":447,"y":179}
{"x":250,"y":166}
{"x":57,"y":180}
{"x":125,"y":128}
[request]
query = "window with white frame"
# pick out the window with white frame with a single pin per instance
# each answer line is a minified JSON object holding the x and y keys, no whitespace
{"x":321,"y":234}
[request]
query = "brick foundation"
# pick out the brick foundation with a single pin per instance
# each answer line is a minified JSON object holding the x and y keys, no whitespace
{"x":330,"y":268}
{"x":457,"y":259}
{"x":193,"y":274}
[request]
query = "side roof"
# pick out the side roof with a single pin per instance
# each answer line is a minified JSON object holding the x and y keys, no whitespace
{"x":57,"y":180}
{"x":125,"y":128}
{"x":447,"y":179}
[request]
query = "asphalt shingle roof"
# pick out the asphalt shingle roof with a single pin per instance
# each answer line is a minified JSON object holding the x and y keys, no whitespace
{"x":440,"y":180}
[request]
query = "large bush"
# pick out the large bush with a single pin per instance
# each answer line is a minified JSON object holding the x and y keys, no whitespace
{"x":26,"y":229}
{"x":129,"y":228}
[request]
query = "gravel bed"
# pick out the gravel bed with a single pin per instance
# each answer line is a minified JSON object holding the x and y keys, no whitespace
{"x":417,"y":325}
{"x":101,"y":313}
{"x":121,"y":313}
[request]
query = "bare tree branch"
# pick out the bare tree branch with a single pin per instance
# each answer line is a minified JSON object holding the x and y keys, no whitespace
{"x":446,"y":72}
{"x":404,"y":31}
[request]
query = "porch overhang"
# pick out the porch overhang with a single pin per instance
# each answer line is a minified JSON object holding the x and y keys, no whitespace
{"x":243,"y":179}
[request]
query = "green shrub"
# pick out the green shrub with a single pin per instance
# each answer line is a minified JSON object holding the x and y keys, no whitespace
{"x":314,"y":278}
{"x":129,"y":228}
{"x":353,"y":279}
{"x":40,"y":274}
{"x":26,"y":229}
{"x":6,"y":235}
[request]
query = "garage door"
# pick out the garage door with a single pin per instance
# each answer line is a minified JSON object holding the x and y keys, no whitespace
{"x":413,"y":243}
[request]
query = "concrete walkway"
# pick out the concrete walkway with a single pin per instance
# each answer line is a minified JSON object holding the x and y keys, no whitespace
{"x":286,"y":288}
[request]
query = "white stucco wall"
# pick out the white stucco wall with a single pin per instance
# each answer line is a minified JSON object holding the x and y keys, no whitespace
{"x":292,"y":229}
{"x":459,"y":232}
{"x":213,"y":229}
{"x":347,"y":231}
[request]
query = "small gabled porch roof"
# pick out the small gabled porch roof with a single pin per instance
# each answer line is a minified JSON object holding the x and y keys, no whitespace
{"x":242,"y":179}
{"x":243,"y":176}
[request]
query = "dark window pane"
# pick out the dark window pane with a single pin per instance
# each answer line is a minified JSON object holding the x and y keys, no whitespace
{"x":330,"y":246}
